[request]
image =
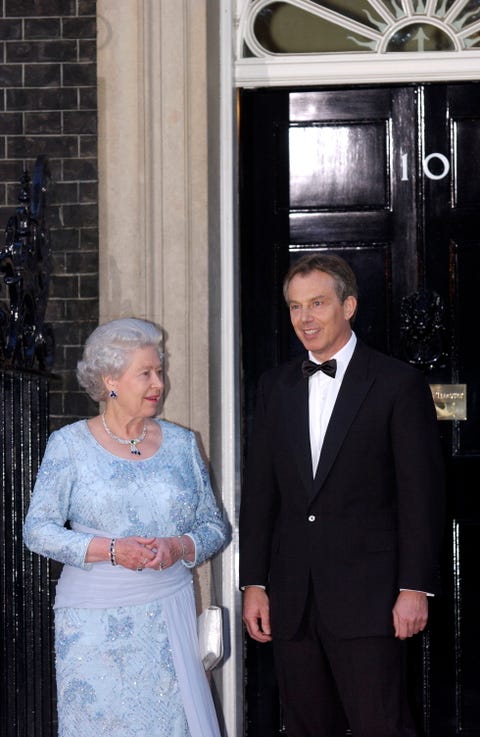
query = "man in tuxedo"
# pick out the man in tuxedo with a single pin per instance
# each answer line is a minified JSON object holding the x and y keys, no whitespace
{"x":341,"y":516}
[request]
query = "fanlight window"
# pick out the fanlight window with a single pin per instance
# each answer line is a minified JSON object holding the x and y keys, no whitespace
{"x":273,"y":28}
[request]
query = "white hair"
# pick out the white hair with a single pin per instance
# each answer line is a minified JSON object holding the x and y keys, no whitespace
{"x":108,"y":351}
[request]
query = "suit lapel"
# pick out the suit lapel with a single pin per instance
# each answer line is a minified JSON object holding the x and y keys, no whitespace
{"x":355,"y":386}
{"x":296,"y":411}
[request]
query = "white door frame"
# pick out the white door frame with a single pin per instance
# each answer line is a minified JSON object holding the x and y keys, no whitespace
{"x":291,"y":71}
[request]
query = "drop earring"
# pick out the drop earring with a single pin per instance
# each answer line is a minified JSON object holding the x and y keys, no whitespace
{"x":113,"y":394}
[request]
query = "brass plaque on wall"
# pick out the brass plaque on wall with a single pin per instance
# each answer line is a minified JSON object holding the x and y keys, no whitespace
{"x":450,"y":401}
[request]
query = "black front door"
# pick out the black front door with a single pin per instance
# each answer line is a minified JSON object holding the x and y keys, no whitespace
{"x":388,"y":178}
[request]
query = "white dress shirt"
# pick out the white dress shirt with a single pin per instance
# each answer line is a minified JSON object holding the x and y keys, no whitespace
{"x":322,"y":395}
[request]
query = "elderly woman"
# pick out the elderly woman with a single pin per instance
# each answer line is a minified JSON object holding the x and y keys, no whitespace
{"x":124,"y":501}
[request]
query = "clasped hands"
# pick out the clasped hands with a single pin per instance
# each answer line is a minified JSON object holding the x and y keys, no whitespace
{"x":156,"y":553}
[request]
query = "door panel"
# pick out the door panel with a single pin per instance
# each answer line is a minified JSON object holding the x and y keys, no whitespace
{"x":386,"y":177}
{"x":323,"y":174}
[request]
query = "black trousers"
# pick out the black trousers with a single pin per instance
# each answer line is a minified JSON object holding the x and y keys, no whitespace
{"x":328,"y":685}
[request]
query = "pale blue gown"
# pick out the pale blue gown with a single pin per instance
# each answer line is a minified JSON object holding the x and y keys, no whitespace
{"x":126,"y":648}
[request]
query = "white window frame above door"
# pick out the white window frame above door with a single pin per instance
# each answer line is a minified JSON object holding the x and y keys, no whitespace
{"x":273,"y":70}
{"x":295,"y":70}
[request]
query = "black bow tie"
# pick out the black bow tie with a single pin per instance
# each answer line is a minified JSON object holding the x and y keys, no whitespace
{"x":328,"y":367}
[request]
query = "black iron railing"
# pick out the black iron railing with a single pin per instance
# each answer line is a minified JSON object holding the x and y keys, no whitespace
{"x":27,"y":692}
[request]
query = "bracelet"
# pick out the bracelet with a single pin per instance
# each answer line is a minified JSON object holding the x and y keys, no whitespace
{"x":184,"y":549}
{"x":113,"y":559}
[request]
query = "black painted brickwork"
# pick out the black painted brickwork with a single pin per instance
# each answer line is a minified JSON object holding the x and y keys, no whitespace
{"x":48,"y":105}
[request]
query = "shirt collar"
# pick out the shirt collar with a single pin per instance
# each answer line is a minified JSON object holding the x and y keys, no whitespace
{"x":342,"y":356}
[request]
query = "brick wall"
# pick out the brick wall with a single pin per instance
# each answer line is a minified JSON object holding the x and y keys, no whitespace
{"x":48,"y":105}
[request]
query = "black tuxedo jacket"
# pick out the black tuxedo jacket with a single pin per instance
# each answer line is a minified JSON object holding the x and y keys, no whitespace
{"x":369,"y":523}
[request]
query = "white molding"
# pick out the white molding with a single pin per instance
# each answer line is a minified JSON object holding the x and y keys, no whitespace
{"x":332,"y":69}
{"x":232,"y":670}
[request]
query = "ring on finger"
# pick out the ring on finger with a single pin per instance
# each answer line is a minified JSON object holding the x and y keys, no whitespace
{"x":160,"y":566}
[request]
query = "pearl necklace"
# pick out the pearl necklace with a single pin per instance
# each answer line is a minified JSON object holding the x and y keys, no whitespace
{"x":132,"y":443}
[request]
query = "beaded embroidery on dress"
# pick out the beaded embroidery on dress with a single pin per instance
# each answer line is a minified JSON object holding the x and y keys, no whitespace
{"x":148,"y":650}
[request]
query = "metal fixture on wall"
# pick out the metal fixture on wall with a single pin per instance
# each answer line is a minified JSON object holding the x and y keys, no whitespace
{"x":423,"y":330}
{"x":26,"y":341}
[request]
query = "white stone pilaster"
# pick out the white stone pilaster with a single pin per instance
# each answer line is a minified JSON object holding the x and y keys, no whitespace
{"x":160,"y":257}
{"x":153,"y":185}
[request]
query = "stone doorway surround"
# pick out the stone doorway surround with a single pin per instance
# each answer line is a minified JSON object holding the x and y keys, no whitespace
{"x":160,"y":254}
